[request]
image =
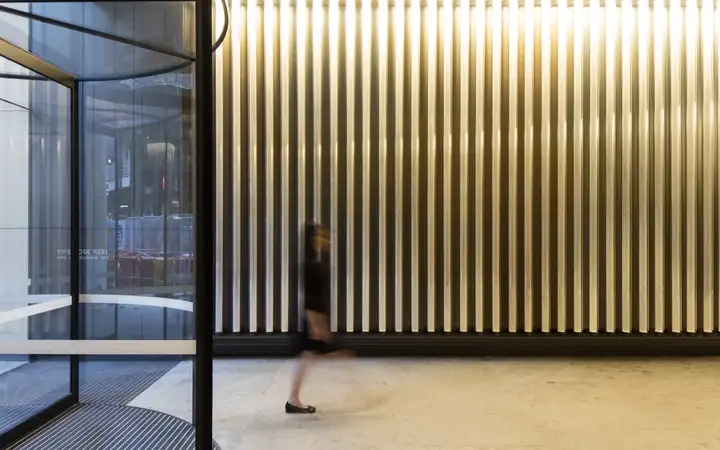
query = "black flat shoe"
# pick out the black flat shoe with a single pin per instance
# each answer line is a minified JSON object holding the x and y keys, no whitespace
{"x":292,"y":409}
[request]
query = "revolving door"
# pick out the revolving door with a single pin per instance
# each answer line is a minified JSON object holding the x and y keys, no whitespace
{"x":103,"y":130}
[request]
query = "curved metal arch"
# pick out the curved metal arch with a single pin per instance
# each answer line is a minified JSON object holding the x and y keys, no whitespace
{"x":175,"y":68}
{"x":189,"y":59}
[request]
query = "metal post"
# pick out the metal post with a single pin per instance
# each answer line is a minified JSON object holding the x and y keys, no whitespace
{"x":204,"y":226}
{"x":75,"y":223}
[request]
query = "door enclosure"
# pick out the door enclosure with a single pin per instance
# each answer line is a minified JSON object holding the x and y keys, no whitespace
{"x":67,"y":242}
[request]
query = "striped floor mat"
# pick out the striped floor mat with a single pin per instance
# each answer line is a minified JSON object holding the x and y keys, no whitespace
{"x":112,"y":427}
{"x":12,"y":415}
{"x":32,"y":387}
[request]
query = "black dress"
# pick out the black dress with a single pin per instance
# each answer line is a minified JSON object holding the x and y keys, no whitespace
{"x":317,"y":298}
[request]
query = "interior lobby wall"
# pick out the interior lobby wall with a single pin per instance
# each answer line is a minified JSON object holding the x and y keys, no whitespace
{"x":499,"y":168}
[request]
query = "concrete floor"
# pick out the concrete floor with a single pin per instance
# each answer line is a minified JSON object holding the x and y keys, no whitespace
{"x":460,"y":404}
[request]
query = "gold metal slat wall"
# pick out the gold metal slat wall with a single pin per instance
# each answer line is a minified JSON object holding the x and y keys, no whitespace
{"x":501,"y":168}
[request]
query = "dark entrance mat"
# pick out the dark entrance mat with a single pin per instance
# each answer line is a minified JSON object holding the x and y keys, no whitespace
{"x":112,"y":427}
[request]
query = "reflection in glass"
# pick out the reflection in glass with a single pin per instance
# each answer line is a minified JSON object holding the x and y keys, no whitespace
{"x":137,"y":208}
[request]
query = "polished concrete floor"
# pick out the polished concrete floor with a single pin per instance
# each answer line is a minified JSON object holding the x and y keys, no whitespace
{"x":494,"y":404}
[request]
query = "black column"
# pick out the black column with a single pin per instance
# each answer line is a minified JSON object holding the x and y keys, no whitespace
{"x":75,"y":223}
{"x":204,"y":226}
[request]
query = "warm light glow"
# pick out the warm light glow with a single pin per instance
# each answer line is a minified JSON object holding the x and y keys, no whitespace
{"x":382,"y":27}
{"x":528,"y":150}
{"x":399,"y":38}
{"x":351,"y":33}
{"x":562,"y":163}
{"x":218,"y":64}
{"x":594,"y":162}
{"x":676,"y":19}
{"x":317,"y":20}
{"x":643,"y":40}
{"x":717,"y":158}
{"x":415,"y":159}
{"x":465,"y":25}
{"x":285,"y":36}
{"x":334,"y":44}
{"x":512,"y":159}
{"x":301,"y":28}
{"x":333,"y":28}
{"x":432,"y":27}
{"x":219,"y":19}
{"x":447,"y":20}
{"x":611,"y":40}
{"x":675,"y":29}
{"x":317,"y":64}
{"x":301,"y":18}
{"x":464,"y":18}
{"x":252,"y":161}
{"x":366,"y":71}
{"x":237,"y":14}
{"x":659,"y":27}
{"x":367,"y":23}
{"x":578,"y":25}
{"x":691,"y":160}
{"x":627,"y":133}
{"x":415,"y":27}
{"x":269,"y":82}
{"x":708,"y":165}
{"x":496,"y":156}
{"x":447,"y":158}
{"x":383,"y":51}
{"x":545,"y":69}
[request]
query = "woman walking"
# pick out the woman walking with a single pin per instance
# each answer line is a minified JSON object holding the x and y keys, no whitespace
{"x":316,"y":338}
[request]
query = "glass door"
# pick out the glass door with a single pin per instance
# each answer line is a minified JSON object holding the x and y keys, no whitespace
{"x":36,"y":241}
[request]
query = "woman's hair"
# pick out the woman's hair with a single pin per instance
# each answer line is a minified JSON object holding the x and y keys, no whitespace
{"x":312,"y":229}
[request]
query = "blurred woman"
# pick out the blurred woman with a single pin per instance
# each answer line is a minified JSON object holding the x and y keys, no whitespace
{"x":315,"y":338}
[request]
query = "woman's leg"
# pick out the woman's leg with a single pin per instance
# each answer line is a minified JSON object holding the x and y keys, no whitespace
{"x":301,"y":367}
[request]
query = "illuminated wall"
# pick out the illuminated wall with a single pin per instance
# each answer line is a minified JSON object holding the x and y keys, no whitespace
{"x":504,"y":167}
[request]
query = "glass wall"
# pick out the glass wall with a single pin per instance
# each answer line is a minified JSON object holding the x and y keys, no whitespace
{"x":35,"y":138}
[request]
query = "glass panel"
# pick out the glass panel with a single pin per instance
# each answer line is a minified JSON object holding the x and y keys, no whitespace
{"x":86,"y":56}
{"x":7,"y":105}
{"x":34,"y":240}
{"x":155,"y":23}
{"x":137,"y":230}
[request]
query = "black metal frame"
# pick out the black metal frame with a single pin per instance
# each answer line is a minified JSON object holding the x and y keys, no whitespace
{"x":204,"y":227}
{"x":204,"y":193}
{"x":75,"y":224}
{"x":52,"y":73}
